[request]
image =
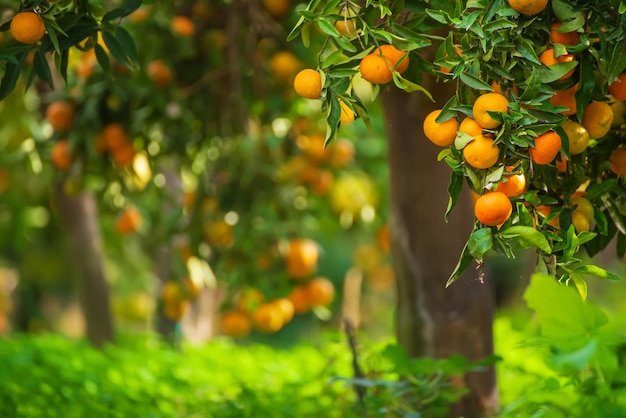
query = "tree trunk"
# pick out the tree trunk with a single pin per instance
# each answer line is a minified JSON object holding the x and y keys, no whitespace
{"x":79,"y":217}
{"x":432,"y":320}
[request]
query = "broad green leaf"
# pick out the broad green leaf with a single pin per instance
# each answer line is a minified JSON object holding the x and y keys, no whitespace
{"x":578,"y":359}
{"x":42,"y":68}
{"x":528,"y":234}
{"x":565,"y":319}
{"x":480,"y":242}
{"x":11,"y":75}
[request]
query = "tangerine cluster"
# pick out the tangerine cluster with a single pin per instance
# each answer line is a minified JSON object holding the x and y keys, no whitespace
{"x":482,"y":135}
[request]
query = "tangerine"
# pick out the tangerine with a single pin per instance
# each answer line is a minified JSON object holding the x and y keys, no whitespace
{"x":597,"y":119}
{"x":321,"y":291}
{"x":128,"y":221}
{"x":440,"y":133}
{"x":528,"y":7}
{"x":489,"y":102}
{"x":565,"y":98}
{"x":398,"y":60}
{"x":301,"y":258}
{"x":60,"y":115}
{"x":546,"y":148}
{"x":27,"y":27}
{"x":235,"y":324}
{"x":375,"y":69}
{"x":564,"y":38}
{"x":308,"y":84}
{"x":577,"y":136}
{"x":481,"y":152}
{"x":61,"y":155}
{"x":618,"y":161}
{"x":493,"y":208}
{"x":617,"y":88}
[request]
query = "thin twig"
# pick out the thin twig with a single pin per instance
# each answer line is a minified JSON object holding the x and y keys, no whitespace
{"x":358,"y":374}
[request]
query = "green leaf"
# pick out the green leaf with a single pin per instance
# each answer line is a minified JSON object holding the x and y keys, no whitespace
{"x":474,"y":82}
{"x":42,"y":68}
{"x":409,"y":86}
{"x":332,"y":120}
{"x":11,"y":75}
{"x":528,"y":234}
{"x":580,"y":284}
{"x":565,"y":319}
{"x":480,"y":242}
{"x":327,"y":27}
{"x":128,"y":44}
{"x":103,"y":58}
{"x":597,"y":272}
{"x":115,"y":48}
{"x":454,"y":190}
{"x":464,"y":262}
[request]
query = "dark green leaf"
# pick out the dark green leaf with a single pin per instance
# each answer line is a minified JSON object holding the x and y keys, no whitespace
{"x":454,"y":190}
{"x":128,"y":43}
{"x":11,"y":75}
{"x":42,"y":68}
{"x":115,"y":48}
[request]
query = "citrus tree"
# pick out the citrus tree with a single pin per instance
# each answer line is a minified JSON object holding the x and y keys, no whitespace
{"x":532,"y":129}
{"x":242,"y":200}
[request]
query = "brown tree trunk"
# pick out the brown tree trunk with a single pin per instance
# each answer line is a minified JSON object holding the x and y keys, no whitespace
{"x":432,"y":320}
{"x":79,"y":217}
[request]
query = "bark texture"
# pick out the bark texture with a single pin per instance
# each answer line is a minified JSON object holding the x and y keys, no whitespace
{"x":79,"y":217}
{"x":432,"y":320}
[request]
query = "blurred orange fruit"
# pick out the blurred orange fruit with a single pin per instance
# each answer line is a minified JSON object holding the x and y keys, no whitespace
{"x":128,"y":221}
{"x":235,"y":324}
{"x":301,"y":258}
{"x":60,"y":115}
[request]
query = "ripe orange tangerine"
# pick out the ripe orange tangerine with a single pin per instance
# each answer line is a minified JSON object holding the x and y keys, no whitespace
{"x":235,"y":324}
{"x":546,"y":148}
{"x":565,"y":98}
{"x":493,"y":208}
{"x":375,"y":69}
{"x":183,"y":26}
{"x":481,"y":152}
{"x":442,"y":134}
{"x":528,"y":7}
{"x":617,"y":88}
{"x":471,"y":127}
{"x":512,"y":185}
{"x":61,"y":155}
{"x":393,"y":56}
{"x":308,"y":84}
{"x":564,"y":38}
{"x":128,"y":221}
{"x":618,"y":161}
{"x":321,"y":291}
{"x":27,"y":27}
{"x":301,"y":258}
{"x":548,"y":58}
{"x":60,"y":115}
{"x":489,"y":102}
